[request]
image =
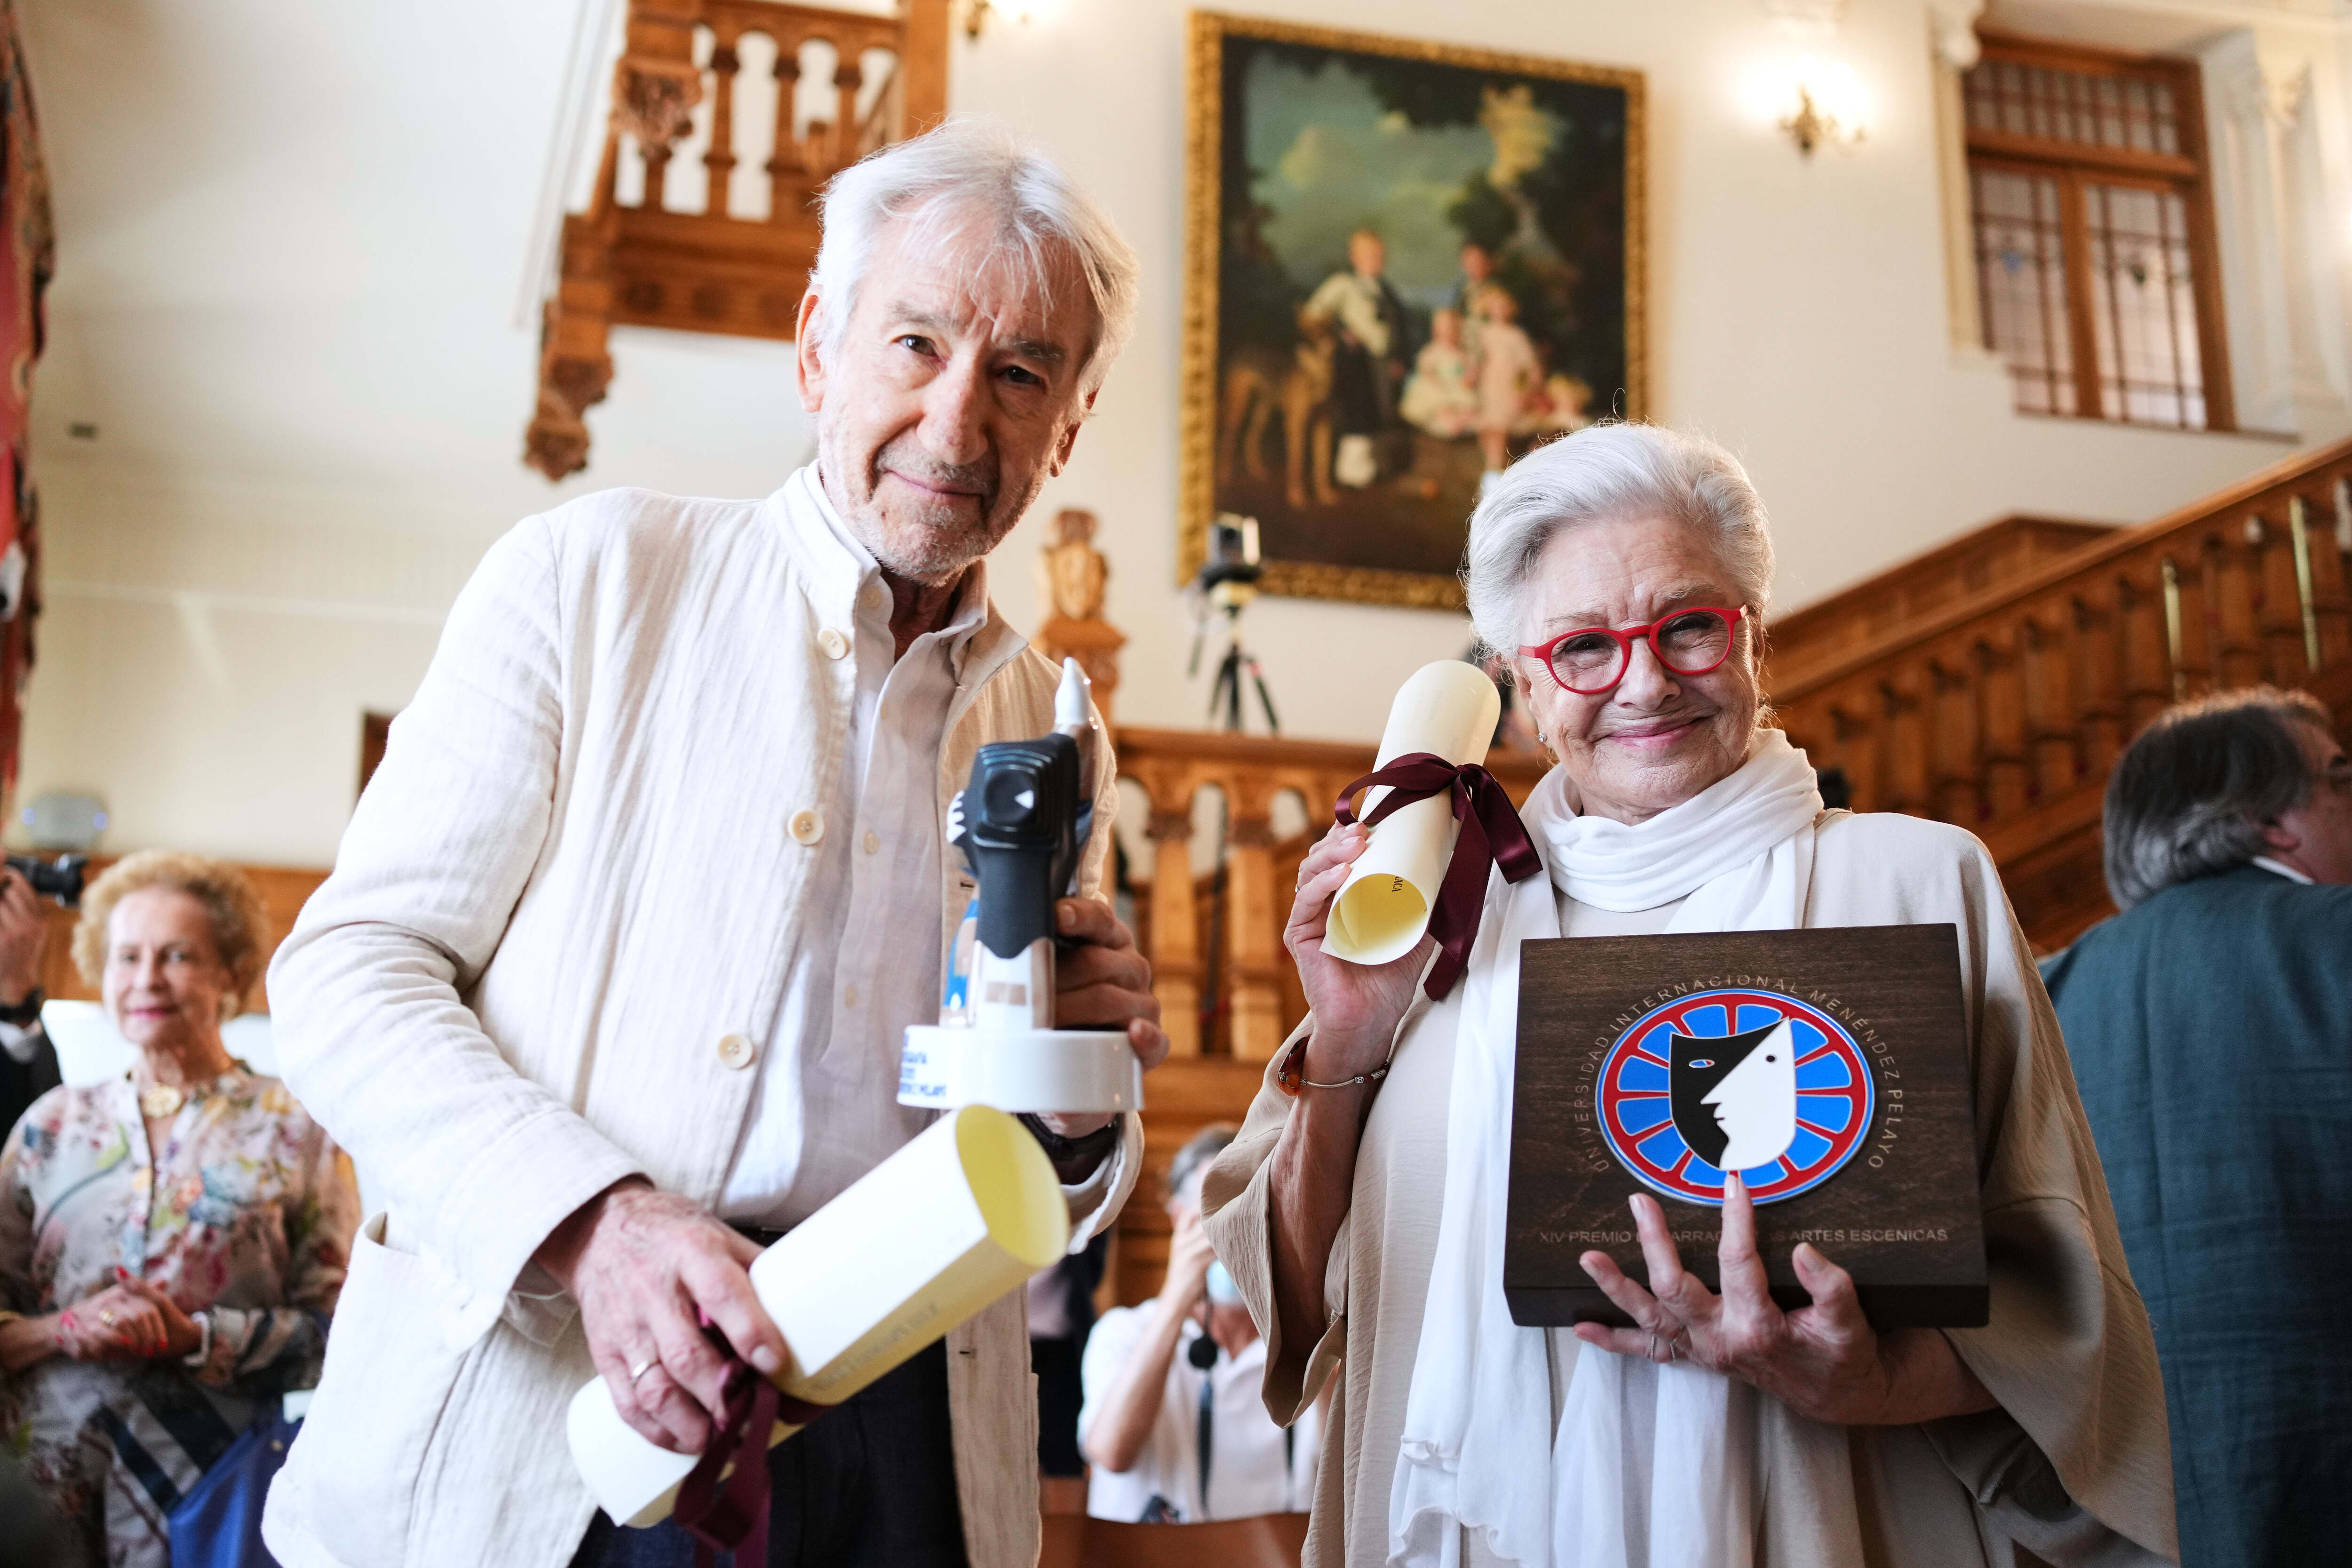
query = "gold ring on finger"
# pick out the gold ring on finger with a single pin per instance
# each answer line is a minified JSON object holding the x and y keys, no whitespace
{"x":106,"y":1319}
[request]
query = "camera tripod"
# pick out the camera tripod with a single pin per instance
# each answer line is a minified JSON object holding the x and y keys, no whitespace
{"x":1225,"y":692}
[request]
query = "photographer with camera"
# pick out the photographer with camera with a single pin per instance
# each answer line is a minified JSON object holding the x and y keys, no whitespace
{"x":1173,"y":1423}
{"x":28,"y":1062}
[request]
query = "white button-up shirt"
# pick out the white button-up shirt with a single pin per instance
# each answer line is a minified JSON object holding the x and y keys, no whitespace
{"x":863,"y":962}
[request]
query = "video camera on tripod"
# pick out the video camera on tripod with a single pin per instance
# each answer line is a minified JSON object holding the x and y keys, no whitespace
{"x":1228,"y":582}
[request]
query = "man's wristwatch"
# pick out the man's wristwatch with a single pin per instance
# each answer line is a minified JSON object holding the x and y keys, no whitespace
{"x":1089,"y":1149}
{"x":27,"y":1012}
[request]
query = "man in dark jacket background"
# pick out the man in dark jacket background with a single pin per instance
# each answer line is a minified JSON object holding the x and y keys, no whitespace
{"x":28,"y":1062}
{"x":2210,"y":1028}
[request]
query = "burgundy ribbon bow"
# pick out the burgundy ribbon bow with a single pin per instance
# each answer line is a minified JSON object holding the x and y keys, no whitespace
{"x":727,"y":1513}
{"x":1492,"y":835}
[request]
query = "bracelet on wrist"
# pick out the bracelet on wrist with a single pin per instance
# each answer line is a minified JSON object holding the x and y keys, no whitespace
{"x":203,"y":1350}
{"x":1290,"y":1072}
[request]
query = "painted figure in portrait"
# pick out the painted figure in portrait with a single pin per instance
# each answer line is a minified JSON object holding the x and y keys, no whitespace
{"x":1410,"y":263}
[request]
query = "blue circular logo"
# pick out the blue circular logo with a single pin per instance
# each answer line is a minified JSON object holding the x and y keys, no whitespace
{"x":1735,"y":1079}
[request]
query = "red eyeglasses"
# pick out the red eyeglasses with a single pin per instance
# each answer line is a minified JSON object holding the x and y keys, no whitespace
{"x":1593,"y":659}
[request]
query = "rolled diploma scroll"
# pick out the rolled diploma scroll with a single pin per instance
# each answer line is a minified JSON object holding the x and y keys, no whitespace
{"x":955,"y":1220}
{"x":1450,"y":708}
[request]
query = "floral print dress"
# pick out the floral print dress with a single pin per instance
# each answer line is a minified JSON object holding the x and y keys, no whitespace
{"x":246,"y":1213}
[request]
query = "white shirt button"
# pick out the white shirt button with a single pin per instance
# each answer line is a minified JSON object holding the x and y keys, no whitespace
{"x":736,"y":1050}
{"x":806,"y":826}
{"x":872,"y":597}
{"x":849,"y":995}
{"x":873,"y":843}
{"x":835,"y":645}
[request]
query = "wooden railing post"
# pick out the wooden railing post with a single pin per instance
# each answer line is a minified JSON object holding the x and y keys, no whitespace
{"x":2045,"y":642}
{"x":847,"y":80}
{"x":1254,"y":984}
{"x":2238,"y":651}
{"x":785,"y":158}
{"x":1175,"y":953}
{"x":2000,"y":697}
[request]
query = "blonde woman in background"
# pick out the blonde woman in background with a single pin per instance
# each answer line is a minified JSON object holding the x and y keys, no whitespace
{"x":171,"y":1242}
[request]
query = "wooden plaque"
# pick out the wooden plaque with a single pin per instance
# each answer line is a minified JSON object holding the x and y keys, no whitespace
{"x":1835,"y":1060}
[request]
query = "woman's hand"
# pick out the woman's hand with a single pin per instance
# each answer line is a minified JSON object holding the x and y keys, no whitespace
{"x":131,"y":1320}
{"x":1823,"y":1362}
{"x":1357,"y":1006}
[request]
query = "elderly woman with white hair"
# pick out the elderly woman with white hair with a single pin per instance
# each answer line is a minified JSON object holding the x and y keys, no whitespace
{"x":1624,"y":570}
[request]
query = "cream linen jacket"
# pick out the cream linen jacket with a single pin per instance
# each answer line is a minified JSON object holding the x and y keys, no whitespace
{"x":567,"y":885}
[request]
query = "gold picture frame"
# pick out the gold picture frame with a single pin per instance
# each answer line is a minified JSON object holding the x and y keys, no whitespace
{"x":1216,"y":427}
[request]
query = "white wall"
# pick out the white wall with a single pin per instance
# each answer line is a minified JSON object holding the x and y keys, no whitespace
{"x":290,"y":245}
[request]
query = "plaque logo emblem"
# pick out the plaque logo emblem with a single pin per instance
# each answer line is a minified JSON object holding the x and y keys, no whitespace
{"x":1736,"y":1079}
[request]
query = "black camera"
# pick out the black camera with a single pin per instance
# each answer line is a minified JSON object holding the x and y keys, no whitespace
{"x":1233,"y":553}
{"x":60,"y":878}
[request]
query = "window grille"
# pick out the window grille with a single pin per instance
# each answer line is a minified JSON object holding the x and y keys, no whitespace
{"x":2093,"y":234}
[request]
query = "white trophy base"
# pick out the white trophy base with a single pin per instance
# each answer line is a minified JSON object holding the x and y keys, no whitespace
{"x":1065,"y":1072}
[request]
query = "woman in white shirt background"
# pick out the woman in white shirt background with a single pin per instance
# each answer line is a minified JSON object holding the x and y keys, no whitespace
{"x":1181,"y":1377}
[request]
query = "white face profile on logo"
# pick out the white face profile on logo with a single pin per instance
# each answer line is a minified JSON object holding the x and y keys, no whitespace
{"x":1756,"y":1103}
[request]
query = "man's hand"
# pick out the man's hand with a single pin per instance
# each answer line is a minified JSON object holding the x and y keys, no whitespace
{"x":640,"y":1262}
{"x":24,"y":936}
{"x":1102,"y":982}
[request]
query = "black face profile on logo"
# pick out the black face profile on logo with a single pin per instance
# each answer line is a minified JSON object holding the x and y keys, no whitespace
{"x":1734,"y":1097}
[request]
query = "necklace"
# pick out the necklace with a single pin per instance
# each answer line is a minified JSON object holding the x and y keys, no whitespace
{"x":157,"y":1100}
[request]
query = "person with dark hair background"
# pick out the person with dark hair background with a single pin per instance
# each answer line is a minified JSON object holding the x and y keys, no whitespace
{"x":2210,"y":1028}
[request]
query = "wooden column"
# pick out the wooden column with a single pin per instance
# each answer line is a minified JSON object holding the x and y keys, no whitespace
{"x":1175,"y":953}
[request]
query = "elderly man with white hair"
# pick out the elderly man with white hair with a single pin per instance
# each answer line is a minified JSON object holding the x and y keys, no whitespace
{"x":1623,"y":573}
{"x":609,"y":985}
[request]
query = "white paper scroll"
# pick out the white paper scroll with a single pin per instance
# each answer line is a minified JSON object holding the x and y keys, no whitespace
{"x":1449,"y":708}
{"x":961,"y":1216}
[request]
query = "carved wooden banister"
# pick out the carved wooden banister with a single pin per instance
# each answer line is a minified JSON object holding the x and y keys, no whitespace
{"x":647,"y":263}
{"x":1228,"y":992}
{"x":2003,"y":711}
{"x":1244,"y":991}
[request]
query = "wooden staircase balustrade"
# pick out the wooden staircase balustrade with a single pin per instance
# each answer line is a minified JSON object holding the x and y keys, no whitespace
{"x":644,"y":264}
{"x":2003,"y":711}
{"x":2006,"y":551}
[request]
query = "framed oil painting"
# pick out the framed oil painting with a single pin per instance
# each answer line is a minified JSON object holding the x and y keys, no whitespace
{"x":1406,"y":264}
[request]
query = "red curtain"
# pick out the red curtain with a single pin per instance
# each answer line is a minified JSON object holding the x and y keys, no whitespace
{"x":27,"y":257}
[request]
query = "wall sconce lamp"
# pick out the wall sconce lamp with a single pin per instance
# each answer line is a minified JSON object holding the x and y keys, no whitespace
{"x":1823,"y":106}
{"x":977,"y":13}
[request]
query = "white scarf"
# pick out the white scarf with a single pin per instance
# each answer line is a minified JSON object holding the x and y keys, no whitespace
{"x":1479,"y":1451}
